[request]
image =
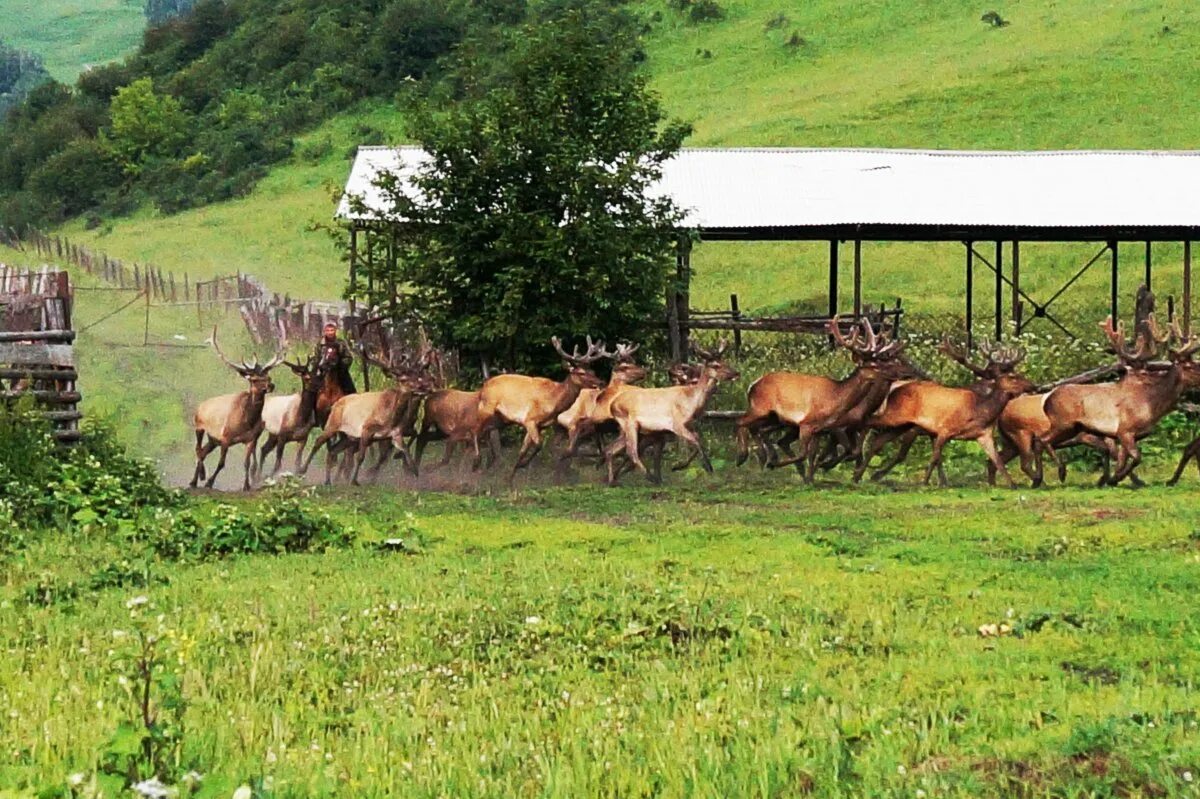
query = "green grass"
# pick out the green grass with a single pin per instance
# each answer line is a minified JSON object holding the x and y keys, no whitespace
{"x":723,"y":638}
{"x":71,"y":35}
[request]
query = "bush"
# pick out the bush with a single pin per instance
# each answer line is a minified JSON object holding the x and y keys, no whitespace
{"x":286,"y":521}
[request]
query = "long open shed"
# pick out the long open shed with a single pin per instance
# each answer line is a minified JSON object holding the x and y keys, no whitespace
{"x":848,"y":196}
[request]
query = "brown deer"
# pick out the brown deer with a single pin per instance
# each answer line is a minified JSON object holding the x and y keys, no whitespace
{"x":290,"y":417}
{"x":591,"y":412}
{"x":813,"y":404}
{"x":232,"y":419}
{"x":534,"y":403}
{"x":366,"y":418}
{"x":451,"y":415}
{"x":1128,"y":409}
{"x":946,"y":413}
{"x":666,"y":410}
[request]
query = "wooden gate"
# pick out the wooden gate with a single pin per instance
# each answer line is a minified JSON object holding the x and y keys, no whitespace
{"x":37,"y":357}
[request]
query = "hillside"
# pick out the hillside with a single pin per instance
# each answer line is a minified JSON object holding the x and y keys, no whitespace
{"x":70,"y":35}
{"x":921,"y":74}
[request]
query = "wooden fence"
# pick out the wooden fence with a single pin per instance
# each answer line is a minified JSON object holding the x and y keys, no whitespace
{"x":37,"y":357}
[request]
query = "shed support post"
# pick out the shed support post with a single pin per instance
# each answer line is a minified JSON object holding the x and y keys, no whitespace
{"x":353,"y":265}
{"x":1187,"y":287}
{"x":833,"y":277}
{"x":970,"y":289}
{"x":1148,"y":260}
{"x":857,"y":278}
{"x":999,"y":290}
{"x":1112,"y":299}
{"x":683,"y":280}
{"x":1016,"y":286}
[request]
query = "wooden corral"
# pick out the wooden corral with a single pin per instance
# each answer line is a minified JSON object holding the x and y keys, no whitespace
{"x":37,"y":356}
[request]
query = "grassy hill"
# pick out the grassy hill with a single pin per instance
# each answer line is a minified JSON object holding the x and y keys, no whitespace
{"x":72,"y":34}
{"x":914,"y":74}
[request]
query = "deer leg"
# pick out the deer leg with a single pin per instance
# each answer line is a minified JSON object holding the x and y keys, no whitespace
{"x":1133,"y":456}
{"x":610,"y":453}
{"x":251,"y":451}
{"x":989,"y":447}
{"x":299,"y":453}
{"x":684,"y":433}
{"x":880,"y":440}
{"x":1189,"y":452}
{"x":322,"y":441}
{"x":935,"y":460}
{"x":529,"y":447}
{"x":212,"y":478}
{"x":202,"y":451}
{"x":268,"y":446}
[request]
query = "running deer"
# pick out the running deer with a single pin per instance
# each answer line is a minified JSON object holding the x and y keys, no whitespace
{"x":1129,"y":408}
{"x":232,"y":419}
{"x":592,"y":412}
{"x":946,"y":413}
{"x":813,"y":404}
{"x":666,"y":410}
{"x":451,"y":415}
{"x":366,"y":418}
{"x":291,"y":417}
{"x":534,"y":402}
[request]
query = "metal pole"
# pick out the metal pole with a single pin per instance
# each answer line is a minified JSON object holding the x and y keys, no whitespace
{"x":833,"y":277}
{"x":353,"y":265}
{"x":1147,"y":264}
{"x":735,"y":313}
{"x":857,"y":278}
{"x":1016,"y":286}
{"x":683,"y":269}
{"x":1112,"y":301}
{"x":999,"y":290}
{"x":1187,"y":287}
{"x":970,"y":288}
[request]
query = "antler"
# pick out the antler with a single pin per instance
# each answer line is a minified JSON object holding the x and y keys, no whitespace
{"x":1001,"y":359}
{"x":242,"y":369}
{"x":623,"y":354}
{"x":712,"y":355}
{"x":595,"y":351}
{"x":1187,"y":344}
{"x":1145,"y":349}
{"x":957,"y":354}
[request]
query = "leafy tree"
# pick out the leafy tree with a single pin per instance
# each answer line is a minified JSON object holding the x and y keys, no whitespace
{"x":535,"y":218}
{"x":145,"y":125}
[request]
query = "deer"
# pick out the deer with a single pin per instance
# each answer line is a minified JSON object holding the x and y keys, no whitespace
{"x":291,"y":417}
{"x":666,"y":410}
{"x":372,"y":416}
{"x":534,"y":403}
{"x":591,"y":412}
{"x":453,"y":415}
{"x":1128,"y":409}
{"x":946,"y":413}
{"x":813,"y":404}
{"x":232,"y":419}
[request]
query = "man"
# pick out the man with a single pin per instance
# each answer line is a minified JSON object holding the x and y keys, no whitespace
{"x":335,"y":353}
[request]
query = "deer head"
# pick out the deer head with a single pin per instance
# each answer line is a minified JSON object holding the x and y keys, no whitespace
{"x":308,"y":372}
{"x":624,"y":368}
{"x":713,"y":363}
{"x":1144,"y":349}
{"x":408,"y":371}
{"x":258,"y":375}
{"x":579,"y":366}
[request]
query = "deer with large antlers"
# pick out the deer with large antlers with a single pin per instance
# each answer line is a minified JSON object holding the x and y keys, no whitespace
{"x":232,"y":419}
{"x":813,"y":404}
{"x":451,"y":415}
{"x":291,"y":417}
{"x":373,"y":416}
{"x":1129,"y":408}
{"x":946,"y":413}
{"x":592,"y":410}
{"x":534,"y":403}
{"x":666,"y":410}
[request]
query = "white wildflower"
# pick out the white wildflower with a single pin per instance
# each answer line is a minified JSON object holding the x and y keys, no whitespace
{"x":1187,"y":776}
{"x":243,"y":792}
{"x":901,"y":770}
{"x":137,"y":601}
{"x":76,"y":779}
{"x":533,"y":619}
{"x":153,"y":789}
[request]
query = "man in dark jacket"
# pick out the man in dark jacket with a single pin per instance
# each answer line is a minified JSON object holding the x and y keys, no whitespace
{"x":335,"y":353}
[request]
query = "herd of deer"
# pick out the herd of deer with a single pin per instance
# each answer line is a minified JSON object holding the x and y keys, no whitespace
{"x":885,"y":399}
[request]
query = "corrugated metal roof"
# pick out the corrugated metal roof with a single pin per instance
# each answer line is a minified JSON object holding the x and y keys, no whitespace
{"x":747,"y":188}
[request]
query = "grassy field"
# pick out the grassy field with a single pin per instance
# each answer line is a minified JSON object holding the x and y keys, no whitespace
{"x":71,"y":35}
{"x":720,"y":638}
{"x":1068,"y":74}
